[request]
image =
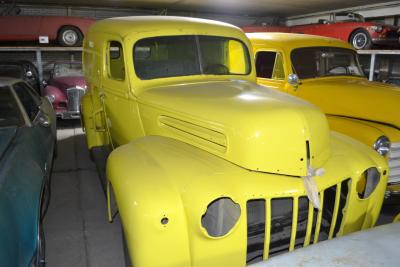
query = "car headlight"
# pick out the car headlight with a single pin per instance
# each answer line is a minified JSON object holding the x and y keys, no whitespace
{"x":367,"y":183}
{"x":382,"y":145}
{"x":376,"y":28}
{"x":221,"y":216}
{"x":51,"y":98}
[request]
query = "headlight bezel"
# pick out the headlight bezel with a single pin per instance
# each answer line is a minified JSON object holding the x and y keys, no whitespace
{"x":51,"y":98}
{"x":207,"y":225}
{"x":368,"y":182}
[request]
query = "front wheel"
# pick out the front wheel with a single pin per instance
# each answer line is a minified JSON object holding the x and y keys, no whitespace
{"x":360,"y":39}
{"x":69,"y":36}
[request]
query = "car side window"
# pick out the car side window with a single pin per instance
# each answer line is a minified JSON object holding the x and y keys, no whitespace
{"x":28,"y":100}
{"x":116,"y":64}
{"x":269,"y":65}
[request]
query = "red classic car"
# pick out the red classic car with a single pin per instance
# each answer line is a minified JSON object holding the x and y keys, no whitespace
{"x":65,"y":88}
{"x":349,"y":27}
{"x":66,"y":30}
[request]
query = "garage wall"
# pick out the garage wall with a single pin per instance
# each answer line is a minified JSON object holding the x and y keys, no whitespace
{"x":101,"y":13}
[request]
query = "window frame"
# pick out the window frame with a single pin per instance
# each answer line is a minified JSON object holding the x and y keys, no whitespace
{"x":273,"y":68}
{"x":109,"y":58}
{"x":198,"y":52}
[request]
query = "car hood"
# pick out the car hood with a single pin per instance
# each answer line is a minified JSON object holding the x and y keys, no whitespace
{"x":354,"y":97}
{"x":254,"y":127}
{"x":6,"y":136}
{"x":68,"y":82}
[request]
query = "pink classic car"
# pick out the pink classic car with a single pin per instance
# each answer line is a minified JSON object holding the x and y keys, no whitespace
{"x":66,"y":30}
{"x":65,"y":88}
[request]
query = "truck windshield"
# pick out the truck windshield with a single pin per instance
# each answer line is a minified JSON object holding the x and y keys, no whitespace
{"x":313,"y":62}
{"x":10,"y":115}
{"x":172,"y":56}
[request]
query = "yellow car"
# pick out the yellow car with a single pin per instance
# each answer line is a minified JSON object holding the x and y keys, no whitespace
{"x":209,"y":168}
{"x":327,"y":73}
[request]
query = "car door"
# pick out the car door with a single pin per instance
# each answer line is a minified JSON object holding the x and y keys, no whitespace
{"x":118,"y":98}
{"x":270,"y":69}
{"x":42,"y":120}
{"x":19,"y":28}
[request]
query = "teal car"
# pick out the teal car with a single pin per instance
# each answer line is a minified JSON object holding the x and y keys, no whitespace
{"x":27,"y":141}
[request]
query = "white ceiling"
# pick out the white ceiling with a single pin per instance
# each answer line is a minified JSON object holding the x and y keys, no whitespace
{"x":238,"y":7}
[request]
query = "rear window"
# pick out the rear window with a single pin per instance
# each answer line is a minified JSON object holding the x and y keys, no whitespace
{"x":10,"y":115}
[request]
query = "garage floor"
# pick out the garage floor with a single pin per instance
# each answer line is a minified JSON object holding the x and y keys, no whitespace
{"x":76,"y":227}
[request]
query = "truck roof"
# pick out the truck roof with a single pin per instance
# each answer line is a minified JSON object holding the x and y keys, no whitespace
{"x":127,"y":25}
{"x":294,"y":40}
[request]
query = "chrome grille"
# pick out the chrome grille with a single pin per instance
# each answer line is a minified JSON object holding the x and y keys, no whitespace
{"x":278,"y":225}
{"x":394,"y":164}
{"x":74,"y":97}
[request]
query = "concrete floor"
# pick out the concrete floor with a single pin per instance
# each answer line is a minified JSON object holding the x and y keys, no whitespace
{"x":76,"y":227}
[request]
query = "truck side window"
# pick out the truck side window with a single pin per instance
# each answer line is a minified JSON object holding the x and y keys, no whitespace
{"x":116,"y":68}
{"x":269,"y":65}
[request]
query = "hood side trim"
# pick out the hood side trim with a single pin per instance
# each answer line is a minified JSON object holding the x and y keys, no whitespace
{"x":205,"y":136}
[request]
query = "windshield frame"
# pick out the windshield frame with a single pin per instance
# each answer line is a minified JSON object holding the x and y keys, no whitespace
{"x":198,"y":54}
{"x":354,"y":53}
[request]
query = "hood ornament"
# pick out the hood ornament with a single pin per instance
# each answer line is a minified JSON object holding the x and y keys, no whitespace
{"x":311,"y":185}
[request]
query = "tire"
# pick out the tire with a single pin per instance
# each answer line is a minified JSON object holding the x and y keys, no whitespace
{"x":360,"y":39}
{"x":69,"y":36}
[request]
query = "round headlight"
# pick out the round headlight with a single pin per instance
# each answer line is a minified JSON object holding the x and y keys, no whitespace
{"x":369,"y":180}
{"x":221,"y":216}
{"x":377,"y":28}
{"x":382,"y":145}
{"x":51,"y":98}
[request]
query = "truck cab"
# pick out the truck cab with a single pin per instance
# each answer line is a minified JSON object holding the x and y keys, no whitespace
{"x":208,"y":168}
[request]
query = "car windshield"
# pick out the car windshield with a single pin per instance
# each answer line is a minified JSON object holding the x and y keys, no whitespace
{"x":10,"y":114}
{"x":67,"y":69}
{"x":349,"y":17}
{"x":11,"y":71}
{"x":172,"y":56}
{"x":313,"y":62}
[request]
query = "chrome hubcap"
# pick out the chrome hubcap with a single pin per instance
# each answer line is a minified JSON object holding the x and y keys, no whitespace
{"x":360,"y":40}
{"x":70,"y":37}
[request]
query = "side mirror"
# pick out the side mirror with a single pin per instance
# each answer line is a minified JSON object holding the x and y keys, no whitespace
{"x":293,"y":79}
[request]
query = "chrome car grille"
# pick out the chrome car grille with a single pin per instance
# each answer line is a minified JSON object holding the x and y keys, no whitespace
{"x":394,"y":164}
{"x":74,"y":97}
{"x":278,"y":225}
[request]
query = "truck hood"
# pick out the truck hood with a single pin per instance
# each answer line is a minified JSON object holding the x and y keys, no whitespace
{"x":354,"y":97}
{"x":6,"y":136}
{"x":254,"y":127}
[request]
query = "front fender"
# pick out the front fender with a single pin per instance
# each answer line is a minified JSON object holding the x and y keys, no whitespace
{"x":145,"y":198}
{"x":364,"y":131}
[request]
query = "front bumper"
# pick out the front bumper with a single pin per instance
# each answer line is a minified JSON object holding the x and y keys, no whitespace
{"x":386,"y":41}
{"x":69,"y":115}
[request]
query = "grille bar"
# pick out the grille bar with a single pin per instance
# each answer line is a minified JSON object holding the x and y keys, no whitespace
{"x":283,"y":224}
{"x":294,"y":224}
{"x":394,"y":163}
{"x":335,"y":210}
{"x":267,"y":229}
{"x":319,"y":218}
{"x":310,"y":221}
